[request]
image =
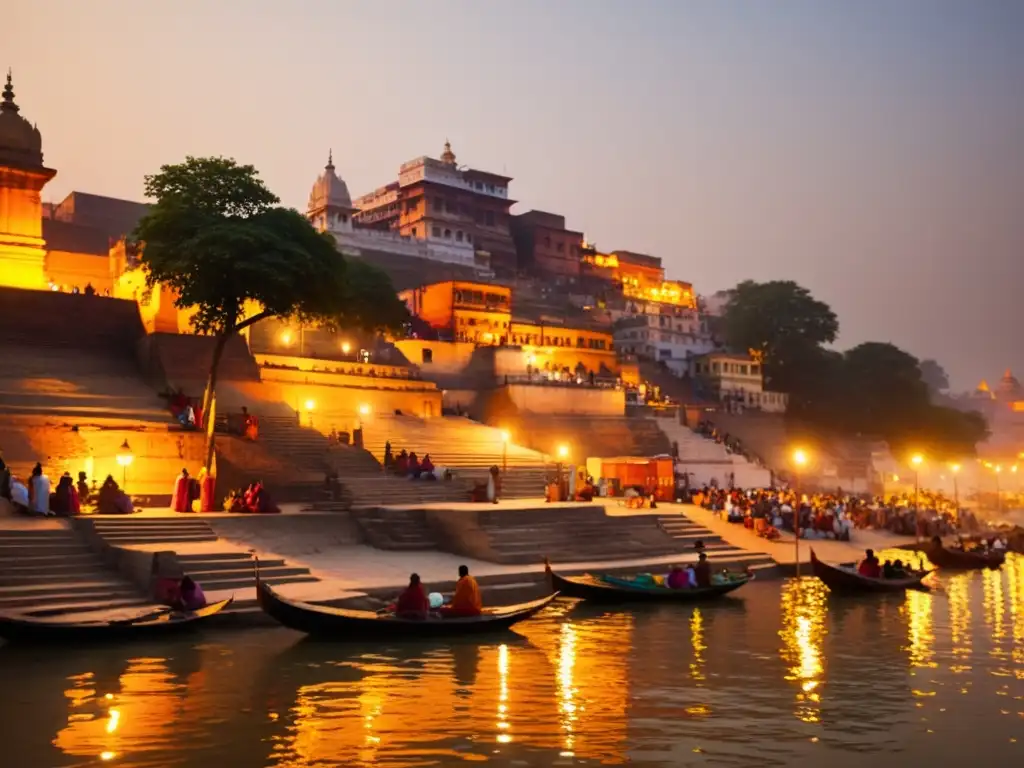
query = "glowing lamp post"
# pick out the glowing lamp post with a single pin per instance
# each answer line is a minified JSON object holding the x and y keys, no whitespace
{"x":310,"y":406}
{"x":955,"y":468}
{"x":124,"y":459}
{"x":917,"y":460}
{"x":364,"y":411}
{"x":345,"y":347}
{"x":800,"y":459}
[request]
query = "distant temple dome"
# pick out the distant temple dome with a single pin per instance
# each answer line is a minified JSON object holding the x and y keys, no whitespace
{"x":448,"y":157}
{"x":21,"y":144}
{"x":1009,"y":385}
{"x":329,"y":191}
{"x":983,"y":390}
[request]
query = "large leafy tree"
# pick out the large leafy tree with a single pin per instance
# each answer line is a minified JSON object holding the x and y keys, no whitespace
{"x":934,"y":376}
{"x":218,"y":238}
{"x":782,"y":323}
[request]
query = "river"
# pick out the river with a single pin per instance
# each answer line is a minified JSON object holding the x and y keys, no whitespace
{"x":783,"y":675}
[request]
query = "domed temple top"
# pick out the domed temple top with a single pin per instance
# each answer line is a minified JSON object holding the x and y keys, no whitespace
{"x":329,"y":191}
{"x":1009,"y":385}
{"x":21,"y":144}
{"x":448,"y":156}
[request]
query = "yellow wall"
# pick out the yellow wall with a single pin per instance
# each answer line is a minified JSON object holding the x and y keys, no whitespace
{"x":76,"y":270}
{"x":535,"y":398}
{"x":333,"y":368}
{"x":156,"y":307}
{"x":22,"y":254}
{"x":449,"y":357}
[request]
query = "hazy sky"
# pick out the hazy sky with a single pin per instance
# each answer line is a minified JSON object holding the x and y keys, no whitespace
{"x":872,"y":150}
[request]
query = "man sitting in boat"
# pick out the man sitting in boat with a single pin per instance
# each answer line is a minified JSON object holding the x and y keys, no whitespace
{"x":677,"y":578}
{"x":413,"y":603}
{"x":869,"y":565}
{"x":466,"y":601}
{"x":702,"y":571}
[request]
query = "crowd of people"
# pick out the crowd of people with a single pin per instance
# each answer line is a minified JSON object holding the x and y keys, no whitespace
{"x":407,"y":464}
{"x":835,"y":515}
{"x":38,"y":497}
{"x":254,"y":500}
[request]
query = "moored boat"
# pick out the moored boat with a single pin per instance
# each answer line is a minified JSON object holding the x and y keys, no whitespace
{"x":845,"y":580}
{"x":344,"y":624}
{"x":158,"y":622}
{"x":955,"y":559}
{"x":614,"y":589}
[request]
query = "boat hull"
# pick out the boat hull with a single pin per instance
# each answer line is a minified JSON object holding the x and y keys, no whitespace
{"x":951,"y":559}
{"x":16,"y":629}
{"x":596,"y":590}
{"x":845,"y":581}
{"x":329,"y":623}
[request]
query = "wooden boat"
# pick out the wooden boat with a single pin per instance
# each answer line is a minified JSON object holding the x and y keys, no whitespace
{"x":847,"y":581}
{"x":954,"y":559}
{"x":608,"y":589}
{"x":343,"y":624}
{"x":153,"y":623}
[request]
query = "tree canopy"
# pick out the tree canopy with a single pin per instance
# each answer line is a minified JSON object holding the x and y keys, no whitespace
{"x":874,"y":389}
{"x":217,"y":236}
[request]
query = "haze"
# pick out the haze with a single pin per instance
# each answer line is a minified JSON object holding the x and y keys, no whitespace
{"x":870,"y":150}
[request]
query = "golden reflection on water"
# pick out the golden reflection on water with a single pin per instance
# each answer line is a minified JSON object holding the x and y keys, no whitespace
{"x":920,"y":635}
{"x":503,"y":737}
{"x":1014,"y":569}
{"x":567,"y":687}
{"x":699,"y":646}
{"x":803,"y":633}
{"x":959,"y":602}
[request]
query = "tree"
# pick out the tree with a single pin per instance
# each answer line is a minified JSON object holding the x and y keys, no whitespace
{"x":218,"y":239}
{"x":781,"y":321}
{"x":934,"y":376}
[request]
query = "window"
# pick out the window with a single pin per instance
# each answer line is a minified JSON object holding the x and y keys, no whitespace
{"x":560,"y":247}
{"x":458,"y":236}
{"x":468,"y":238}
{"x":547,"y":241}
{"x":436,"y":231}
{"x":428,"y":355}
{"x":344,"y":219}
{"x":447,"y":234}
{"x":415,"y":231}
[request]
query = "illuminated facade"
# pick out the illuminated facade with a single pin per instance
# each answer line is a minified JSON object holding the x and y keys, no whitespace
{"x":737,"y":380}
{"x":456,"y":210}
{"x":22,"y":178}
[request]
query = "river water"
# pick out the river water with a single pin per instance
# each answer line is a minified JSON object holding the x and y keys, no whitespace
{"x":784,"y":675}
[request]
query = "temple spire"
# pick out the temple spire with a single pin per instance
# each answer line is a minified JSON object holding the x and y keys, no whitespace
{"x":330,"y":160}
{"x":448,"y":156}
{"x":8,"y":104}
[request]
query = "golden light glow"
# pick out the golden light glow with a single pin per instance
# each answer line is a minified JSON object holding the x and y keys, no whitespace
{"x":917,"y":459}
{"x":505,"y":436}
{"x":364,"y":409}
{"x":114,"y":720}
{"x":503,"y":737}
{"x":1013,"y":468}
{"x":920,"y":637}
{"x":310,"y":405}
{"x":563,"y":451}
{"x":124,"y":455}
{"x":999,"y":468}
{"x":955,"y":468}
{"x":567,"y":688}
{"x":105,"y":756}
{"x":286,"y":337}
{"x":800,"y":457}
{"x":345,"y":347}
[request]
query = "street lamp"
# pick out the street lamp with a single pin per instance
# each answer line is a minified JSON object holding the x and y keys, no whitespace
{"x":125,"y":458}
{"x":505,"y":437}
{"x":800,"y":459}
{"x":345,"y":347}
{"x":916,"y":460}
{"x":956,"y":490}
{"x":364,"y":411}
{"x":310,"y":406}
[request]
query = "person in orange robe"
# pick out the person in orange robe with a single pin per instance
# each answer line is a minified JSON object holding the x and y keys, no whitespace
{"x":180,"y":498}
{"x":466,"y":601}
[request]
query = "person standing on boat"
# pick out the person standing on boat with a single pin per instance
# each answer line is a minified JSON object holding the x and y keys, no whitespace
{"x":702,"y":571}
{"x":413,"y":603}
{"x":466,"y":601}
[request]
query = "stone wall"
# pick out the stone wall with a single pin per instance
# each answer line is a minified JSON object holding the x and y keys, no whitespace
{"x":576,"y":400}
{"x":158,"y":454}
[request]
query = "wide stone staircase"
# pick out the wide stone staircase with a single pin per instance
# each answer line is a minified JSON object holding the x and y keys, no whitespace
{"x":594,"y":436}
{"x":706,"y":460}
{"x":51,"y":571}
{"x":397,"y":529}
{"x":588,"y":534}
{"x":467,"y":447}
{"x":190,"y":537}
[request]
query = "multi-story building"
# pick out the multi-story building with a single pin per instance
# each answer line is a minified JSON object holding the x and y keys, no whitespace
{"x":671,"y":336}
{"x":461,"y":311}
{"x":737,"y":381}
{"x":463,"y":210}
{"x":545,"y":247}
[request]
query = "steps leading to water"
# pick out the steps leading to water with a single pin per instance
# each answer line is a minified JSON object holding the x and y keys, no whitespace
{"x":396,"y":529}
{"x":48,"y":572}
{"x":126,"y":530}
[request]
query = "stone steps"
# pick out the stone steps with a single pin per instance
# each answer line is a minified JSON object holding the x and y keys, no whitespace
{"x":234,"y":570}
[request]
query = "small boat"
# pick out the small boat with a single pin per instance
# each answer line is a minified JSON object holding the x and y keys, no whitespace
{"x":344,"y":624}
{"x":154,"y":623}
{"x":955,"y":559}
{"x":844,"y":580}
{"x":617,"y":589}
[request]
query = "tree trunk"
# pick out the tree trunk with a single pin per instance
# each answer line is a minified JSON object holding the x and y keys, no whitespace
{"x":209,"y":397}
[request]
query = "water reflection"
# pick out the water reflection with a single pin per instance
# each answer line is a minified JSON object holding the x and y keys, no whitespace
{"x":803,"y":632}
{"x":795,"y":678}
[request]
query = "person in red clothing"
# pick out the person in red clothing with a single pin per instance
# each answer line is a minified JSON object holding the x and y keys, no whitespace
{"x":869,"y":566}
{"x":413,"y":603}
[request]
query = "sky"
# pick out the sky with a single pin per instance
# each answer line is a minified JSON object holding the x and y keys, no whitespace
{"x":871,"y":150}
